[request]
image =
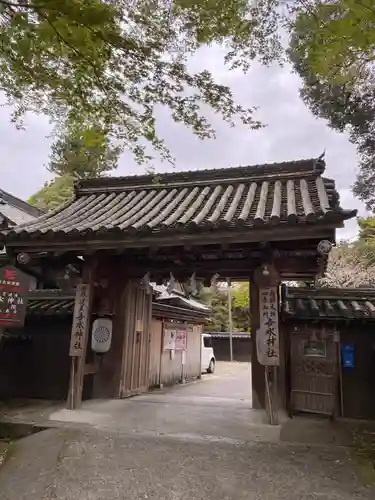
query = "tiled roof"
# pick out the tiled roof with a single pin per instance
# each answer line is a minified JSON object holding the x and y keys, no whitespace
{"x":233,"y":198}
{"x":13,"y":212}
{"x":178,"y":298}
{"x":16,"y":211}
{"x":329,"y":303}
{"x":61,"y":303}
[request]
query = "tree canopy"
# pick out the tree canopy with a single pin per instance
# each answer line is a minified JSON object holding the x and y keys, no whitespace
{"x":82,"y":152}
{"x":333,"y":50}
{"x":348,"y":267}
{"x":53,"y":193}
{"x":217,"y":299}
{"x":352,"y":265}
{"x":78,"y":152}
{"x":112,"y":63}
{"x":241,"y":295}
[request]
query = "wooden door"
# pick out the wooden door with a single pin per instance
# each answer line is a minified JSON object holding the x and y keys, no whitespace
{"x":137,"y":340}
{"x":313,"y":369}
{"x":155,"y":352}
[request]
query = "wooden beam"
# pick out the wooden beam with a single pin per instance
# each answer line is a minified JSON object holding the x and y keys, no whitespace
{"x":210,"y":253}
{"x":304,"y":266}
{"x":296,"y":232}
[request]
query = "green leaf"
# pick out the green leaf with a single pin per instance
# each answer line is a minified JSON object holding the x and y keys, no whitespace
{"x":111,"y":63}
{"x":53,"y":193}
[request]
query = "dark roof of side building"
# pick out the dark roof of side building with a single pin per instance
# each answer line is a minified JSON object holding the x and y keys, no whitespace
{"x":61,"y":303}
{"x":328,"y":304}
{"x":14,"y":211}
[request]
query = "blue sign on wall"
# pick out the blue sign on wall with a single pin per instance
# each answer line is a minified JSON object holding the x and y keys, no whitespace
{"x":347,"y":355}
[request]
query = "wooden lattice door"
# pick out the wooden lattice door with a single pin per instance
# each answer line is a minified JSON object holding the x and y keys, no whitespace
{"x":313,"y":365}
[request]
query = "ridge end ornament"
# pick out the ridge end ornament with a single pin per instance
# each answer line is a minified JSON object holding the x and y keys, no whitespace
{"x":145,"y":283}
{"x":171,"y":283}
{"x":322,"y":156}
{"x":191,"y":286}
{"x":214,"y":281}
{"x":324,"y":247}
{"x":23,"y":258}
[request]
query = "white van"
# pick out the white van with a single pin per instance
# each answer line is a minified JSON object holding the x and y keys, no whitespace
{"x":208,"y":361}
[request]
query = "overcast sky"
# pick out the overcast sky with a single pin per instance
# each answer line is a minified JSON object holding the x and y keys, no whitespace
{"x":292,"y":133}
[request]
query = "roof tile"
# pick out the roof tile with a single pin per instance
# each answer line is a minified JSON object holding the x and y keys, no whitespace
{"x":328,"y":304}
{"x":61,"y":303}
{"x":231,"y":198}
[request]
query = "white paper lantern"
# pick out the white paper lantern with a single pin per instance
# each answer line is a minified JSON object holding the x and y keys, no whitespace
{"x":101,"y":335}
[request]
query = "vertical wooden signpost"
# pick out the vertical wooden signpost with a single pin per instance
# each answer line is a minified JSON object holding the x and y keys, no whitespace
{"x":268,"y":346}
{"x":78,"y":344}
{"x":267,"y":335}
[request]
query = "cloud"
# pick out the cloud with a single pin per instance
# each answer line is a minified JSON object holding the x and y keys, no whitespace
{"x":291,"y":133}
{"x":23,"y":154}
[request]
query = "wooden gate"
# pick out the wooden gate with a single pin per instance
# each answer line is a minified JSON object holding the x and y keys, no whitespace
{"x":313,"y":369}
{"x":136,"y":353}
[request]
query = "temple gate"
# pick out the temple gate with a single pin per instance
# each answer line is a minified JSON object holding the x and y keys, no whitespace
{"x":262,"y":224}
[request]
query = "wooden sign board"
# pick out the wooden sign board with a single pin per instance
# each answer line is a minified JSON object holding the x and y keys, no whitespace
{"x":80,"y":320}
{"x":175,"y":336}
{"x":14,"y":290}
{"x":267,"y":337}
{"x":181,"y":339}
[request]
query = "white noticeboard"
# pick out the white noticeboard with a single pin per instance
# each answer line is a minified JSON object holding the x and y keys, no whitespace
{"x":169,"y":339}
{"x":267,"y":337}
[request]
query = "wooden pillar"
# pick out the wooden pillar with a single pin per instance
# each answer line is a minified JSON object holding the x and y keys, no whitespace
{"x":80,"y":334}
{"x":257,"y":370}
{"x":111,"y":301}
{"x":265,"y":339}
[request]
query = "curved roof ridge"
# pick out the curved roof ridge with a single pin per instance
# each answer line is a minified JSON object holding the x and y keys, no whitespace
{"x":297,"y":168}
{"x":294,"y":291}
{"x":280,"y":195}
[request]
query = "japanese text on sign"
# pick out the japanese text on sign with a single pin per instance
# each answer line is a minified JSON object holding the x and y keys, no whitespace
{"x":175,"y":336}
{"x":14,"y":287}
{"x":181,"y":340}
{"x":80,"y":320}
{"x":268,"y":333}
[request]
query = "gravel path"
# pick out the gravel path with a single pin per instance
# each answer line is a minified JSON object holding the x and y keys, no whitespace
{"x":96,"y":465}
{"x":195,"y":442}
